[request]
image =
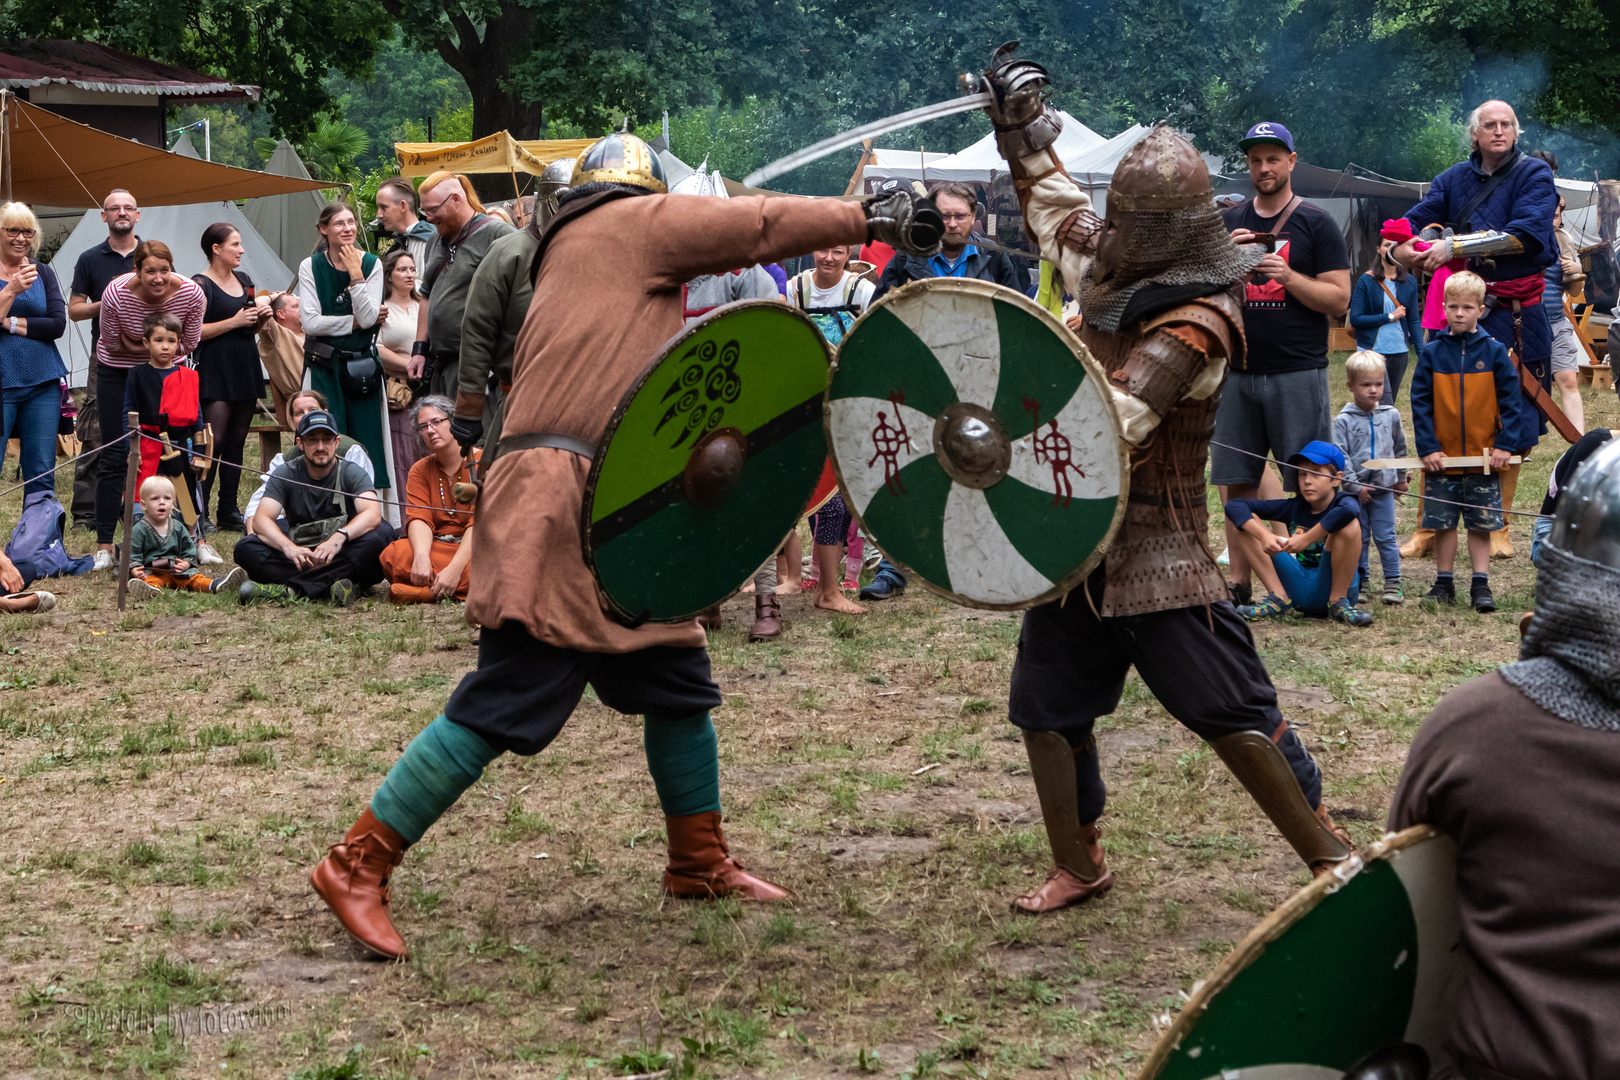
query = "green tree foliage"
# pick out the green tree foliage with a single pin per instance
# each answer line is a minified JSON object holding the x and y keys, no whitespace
{"x":286,"y":47}
{"x":330,"y":152}
{"x":408,"y":85}
{"x":232,"y":132}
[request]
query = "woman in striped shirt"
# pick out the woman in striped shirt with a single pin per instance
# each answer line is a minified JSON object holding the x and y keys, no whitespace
{"x":154,"y":286}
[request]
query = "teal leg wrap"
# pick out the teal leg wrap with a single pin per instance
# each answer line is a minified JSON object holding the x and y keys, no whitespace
{"x":442,"y":762}
{"x":684,"y":759}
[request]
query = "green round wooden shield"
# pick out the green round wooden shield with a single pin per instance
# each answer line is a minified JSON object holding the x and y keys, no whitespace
{"x":707,"y":462}
{"x":976,"y":440}
{"x":1356,"y":962}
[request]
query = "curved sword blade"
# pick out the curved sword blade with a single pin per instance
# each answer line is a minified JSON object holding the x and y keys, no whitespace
{"x":854,"y":136}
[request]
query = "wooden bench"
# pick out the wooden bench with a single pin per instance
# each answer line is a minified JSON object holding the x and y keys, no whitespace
{"x":1600,"y":376}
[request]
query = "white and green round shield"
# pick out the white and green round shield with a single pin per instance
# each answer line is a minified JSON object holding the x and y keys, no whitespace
{"x":976,"y":441}
{"x":1360,"y":962}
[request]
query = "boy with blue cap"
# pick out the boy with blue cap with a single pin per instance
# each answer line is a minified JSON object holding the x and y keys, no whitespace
{"x":1314,"y":569}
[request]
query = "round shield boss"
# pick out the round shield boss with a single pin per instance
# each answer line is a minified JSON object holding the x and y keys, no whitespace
{"x":707,"y":462}
{"x":1341,"y":972}
{"x":976,"y":441}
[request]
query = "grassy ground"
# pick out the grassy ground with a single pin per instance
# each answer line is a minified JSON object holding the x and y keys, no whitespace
{"x":171,"y":773}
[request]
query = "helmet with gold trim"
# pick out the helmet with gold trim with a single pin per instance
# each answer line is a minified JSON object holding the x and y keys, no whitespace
{"x":620,"y":158}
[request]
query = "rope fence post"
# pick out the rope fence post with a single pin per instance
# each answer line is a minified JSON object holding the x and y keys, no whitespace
{"x":133,"y":420}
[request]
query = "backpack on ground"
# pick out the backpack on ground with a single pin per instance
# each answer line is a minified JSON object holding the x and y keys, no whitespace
{"x":36,"y":543}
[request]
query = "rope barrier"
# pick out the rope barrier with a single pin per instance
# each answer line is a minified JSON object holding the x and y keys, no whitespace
{"x":1375,"y":487}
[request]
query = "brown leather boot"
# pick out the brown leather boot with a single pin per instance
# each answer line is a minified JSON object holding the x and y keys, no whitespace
{"x":1065,"y":888}
{"x":710,"y":620}
{"x":767,"y":618}
{"x":701,"y":866}
{"x":353,"y":880}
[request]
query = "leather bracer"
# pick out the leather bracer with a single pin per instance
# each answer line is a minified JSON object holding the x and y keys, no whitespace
{"x":1160,"y":370}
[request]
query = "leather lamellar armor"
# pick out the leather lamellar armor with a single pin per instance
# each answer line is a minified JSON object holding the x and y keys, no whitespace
{"x":1161,"y":560}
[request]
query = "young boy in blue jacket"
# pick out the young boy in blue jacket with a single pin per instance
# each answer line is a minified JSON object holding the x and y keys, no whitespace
{"x":1367,"y":430}
{"x":1466,"y":402}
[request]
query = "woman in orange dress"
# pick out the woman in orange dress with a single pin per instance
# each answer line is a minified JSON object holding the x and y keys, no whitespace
{"x":430,"y":563}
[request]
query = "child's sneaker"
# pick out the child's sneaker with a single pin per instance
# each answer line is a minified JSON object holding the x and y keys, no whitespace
{"x":1272,"y":607}
{"x":1341,"y":611}
{"x":1393,"y":594}
{"x":1443,"y":591}
{"x":230,"y":582}
{"x":1479,"y":596}
{"x":141,"y":589}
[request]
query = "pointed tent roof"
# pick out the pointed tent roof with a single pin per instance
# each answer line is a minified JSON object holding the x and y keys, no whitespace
{"x":181,"y":227}
{"x":976,"y":162}
{"x":184,"y":147}
{"x":287,"y":222}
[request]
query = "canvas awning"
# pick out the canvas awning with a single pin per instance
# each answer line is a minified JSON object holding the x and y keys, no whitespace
{"x":495,"y":153}
{"x":56,"y":162}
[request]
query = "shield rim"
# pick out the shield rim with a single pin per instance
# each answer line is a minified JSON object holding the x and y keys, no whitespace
{"x":673,"y":345}
{"x":1278,"y":922}
{"x":1094,"y":370}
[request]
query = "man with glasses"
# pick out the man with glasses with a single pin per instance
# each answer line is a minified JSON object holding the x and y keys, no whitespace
{"x":1506,"y":199}
{"x":465,"y":236}
{"x":95,"y":269}
{"x":396,"y":214}
{"x":958,"y":255}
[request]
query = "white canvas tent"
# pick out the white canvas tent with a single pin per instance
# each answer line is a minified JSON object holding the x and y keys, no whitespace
{"x":286,"y":222}
{"x":975,"y":163}
{"x":901,"y":164}
{"x":180,"y":227}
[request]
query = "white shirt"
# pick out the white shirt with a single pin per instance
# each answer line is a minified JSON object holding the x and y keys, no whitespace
{"x":399,"y":332}
{"x":818,"y":297}
{"x":365,"y":296}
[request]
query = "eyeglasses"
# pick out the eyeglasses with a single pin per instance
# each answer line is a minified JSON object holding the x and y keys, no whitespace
{"x":427,"y":425}
{"x":120,"y":210}
{"x":957,"y":217}
{"x":428,"y":212}
{"x":19,"y":234}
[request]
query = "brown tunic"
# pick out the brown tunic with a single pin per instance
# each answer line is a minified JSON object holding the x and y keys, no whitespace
{"x":1534,"y":805}
{"x":607,"y":298}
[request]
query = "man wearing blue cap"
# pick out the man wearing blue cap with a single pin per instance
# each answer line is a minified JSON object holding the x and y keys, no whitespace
{"x":1313,"y":570}
{"x":1278,"y":400}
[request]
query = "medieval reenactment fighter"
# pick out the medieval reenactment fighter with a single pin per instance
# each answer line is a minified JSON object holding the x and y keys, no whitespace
{"x":1159,"y":284}
{"x":607,"y":296}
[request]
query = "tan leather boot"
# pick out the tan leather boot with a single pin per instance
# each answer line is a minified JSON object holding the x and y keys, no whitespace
{"x":701,"y":866}
{"x":767,"y":618}
{"x":1065,"y":888}
{"x":353,"y":880}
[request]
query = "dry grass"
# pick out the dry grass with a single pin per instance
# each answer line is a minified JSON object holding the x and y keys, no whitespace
{"x":171,"y":774}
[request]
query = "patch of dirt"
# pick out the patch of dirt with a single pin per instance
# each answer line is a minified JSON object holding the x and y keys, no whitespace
{"x":875,"y":849}
{"x":302,"y":977}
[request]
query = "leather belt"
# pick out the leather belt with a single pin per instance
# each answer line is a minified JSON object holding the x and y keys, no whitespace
{"x":549,"y":439}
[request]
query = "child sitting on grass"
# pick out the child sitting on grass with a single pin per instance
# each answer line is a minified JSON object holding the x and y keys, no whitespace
{"x":1465,"y":402}
{"x":162,"y":553}
{"x":1314,"y":569}
{"x":1365,"y":430}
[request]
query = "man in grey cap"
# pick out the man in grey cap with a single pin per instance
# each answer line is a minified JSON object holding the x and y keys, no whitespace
{"x":318,"y":533}
{"x":1278,"y":400}
{"x":1518,"y":767}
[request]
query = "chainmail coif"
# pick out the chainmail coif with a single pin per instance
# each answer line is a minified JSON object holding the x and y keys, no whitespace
{"x":1169,"y":247}
{"x":1569,"y":661}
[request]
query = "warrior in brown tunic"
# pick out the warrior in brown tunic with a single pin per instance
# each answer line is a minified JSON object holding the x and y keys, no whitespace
{"x":607,"y":296}
{"x":1158,"y":282}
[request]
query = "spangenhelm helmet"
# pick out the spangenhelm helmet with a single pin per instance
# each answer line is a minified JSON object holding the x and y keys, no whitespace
{"x":556,"y":177}
{"x":1587,"y":524}
{"x":620,"y":158}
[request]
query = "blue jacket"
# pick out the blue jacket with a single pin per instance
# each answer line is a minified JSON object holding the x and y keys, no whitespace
{"x":1367,"y":309}
{"x":1466,"y":399}
{"x":1523,"y":205}
{"x":996,"y":266}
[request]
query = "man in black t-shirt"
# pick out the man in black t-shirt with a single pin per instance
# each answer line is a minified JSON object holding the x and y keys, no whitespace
{"x":95,"y":269}
{"x":330,"y":543}
{"x":1278,"y":400}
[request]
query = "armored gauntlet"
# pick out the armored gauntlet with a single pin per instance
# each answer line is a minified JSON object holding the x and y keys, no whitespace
{"x":904,"y":220}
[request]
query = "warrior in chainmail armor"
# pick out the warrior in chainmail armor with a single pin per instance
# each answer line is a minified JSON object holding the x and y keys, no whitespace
{"x":1159,"y":283}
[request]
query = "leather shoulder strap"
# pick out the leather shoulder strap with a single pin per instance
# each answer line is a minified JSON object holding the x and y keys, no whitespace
{"x":1210,"y":314}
